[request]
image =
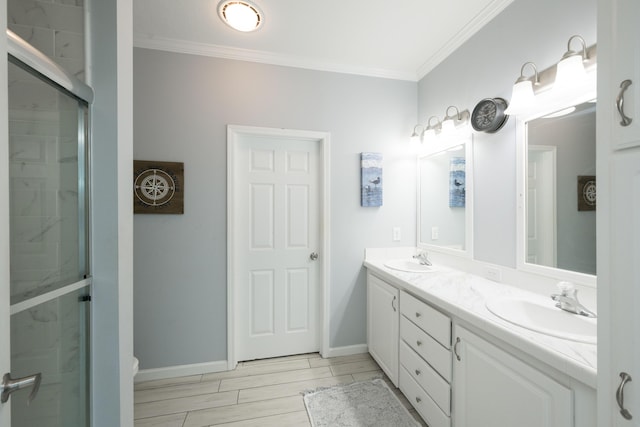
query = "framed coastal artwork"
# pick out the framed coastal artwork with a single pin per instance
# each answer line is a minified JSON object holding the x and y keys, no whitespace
{"x":371,"y":179}
{"x":158,"y":187}
{"x":457,"y":187}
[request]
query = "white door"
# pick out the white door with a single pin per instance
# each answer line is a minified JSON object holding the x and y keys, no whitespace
{"x":618,"y":172}
{"x":277,"y":255}
{"x":541,"y":205}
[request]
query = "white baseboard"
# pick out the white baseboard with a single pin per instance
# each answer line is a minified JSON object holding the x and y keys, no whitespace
{"x":180,"y":371}
{"x":346,"y":350}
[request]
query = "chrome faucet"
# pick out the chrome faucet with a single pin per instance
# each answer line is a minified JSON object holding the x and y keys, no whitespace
{"x":567,"y":300}
{"x":422,"y":258}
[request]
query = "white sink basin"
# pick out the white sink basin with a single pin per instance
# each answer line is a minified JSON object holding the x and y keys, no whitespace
{"x":543,"y":316}
{"x":408,"y":265}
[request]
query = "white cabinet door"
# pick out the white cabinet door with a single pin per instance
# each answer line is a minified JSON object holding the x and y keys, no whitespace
{"x":493,"y":388}
{"x":382,"y":325}
{"x":618,"y":172}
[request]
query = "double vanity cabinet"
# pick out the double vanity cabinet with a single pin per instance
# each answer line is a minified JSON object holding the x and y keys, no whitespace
{"x":455,"y":374}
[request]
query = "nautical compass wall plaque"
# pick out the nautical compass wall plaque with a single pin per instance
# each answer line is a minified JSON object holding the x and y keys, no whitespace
{"x":586,"y":193}
{"x":158,"y":187}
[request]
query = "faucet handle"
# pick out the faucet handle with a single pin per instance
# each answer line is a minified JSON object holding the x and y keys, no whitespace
{"x":566,"y":288}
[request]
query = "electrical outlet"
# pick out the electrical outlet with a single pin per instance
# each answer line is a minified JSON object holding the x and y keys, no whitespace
{"x":434,"y":233}
{"x":493,"y":273}
{"x":396,"y":234}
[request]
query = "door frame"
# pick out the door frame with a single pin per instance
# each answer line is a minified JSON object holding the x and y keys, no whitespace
{"x":234,"y":133}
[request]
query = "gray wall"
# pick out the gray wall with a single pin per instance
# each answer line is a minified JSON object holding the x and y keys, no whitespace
{"x":182,"y":104}
{"x":486,"y":66}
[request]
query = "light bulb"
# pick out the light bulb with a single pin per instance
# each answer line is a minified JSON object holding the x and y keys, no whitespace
{"x":240,"y":15}
{"x":522,"y":98}
{"x":570,"y":73}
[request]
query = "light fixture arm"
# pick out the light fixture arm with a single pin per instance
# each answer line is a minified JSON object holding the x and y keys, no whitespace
{"x":448,"y":117}
{"x":536,"y":78}
{"x":437,"y":126}
{"x":570,"y":52}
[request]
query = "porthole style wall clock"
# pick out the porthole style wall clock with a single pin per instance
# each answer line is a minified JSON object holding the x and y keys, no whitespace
{"x":158,"y":187}
{"x":488,"y":115}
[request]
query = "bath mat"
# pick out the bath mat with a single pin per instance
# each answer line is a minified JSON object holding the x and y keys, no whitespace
{"x":367,"y":403}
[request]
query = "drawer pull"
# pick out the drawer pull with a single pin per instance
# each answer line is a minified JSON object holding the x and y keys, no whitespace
{"x":418,"y":372}
{"x":418,"y":314}
{"x":418,"y":343}
{"x":418,"y":400}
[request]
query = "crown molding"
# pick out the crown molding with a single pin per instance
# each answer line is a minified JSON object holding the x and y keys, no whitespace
{"x":480,"y":20}
{"x":262,"y":57}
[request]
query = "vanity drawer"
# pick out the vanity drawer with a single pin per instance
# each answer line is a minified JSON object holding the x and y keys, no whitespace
{"x":426,"y":377}
{"x":420,"y":400}
{"x":427,"y":318}
{"x":428,"y":348}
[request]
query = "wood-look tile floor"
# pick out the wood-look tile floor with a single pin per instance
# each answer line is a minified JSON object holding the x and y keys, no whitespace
{"x":258,"y":393}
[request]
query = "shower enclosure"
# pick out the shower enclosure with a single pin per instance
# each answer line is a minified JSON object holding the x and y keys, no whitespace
{"x":50,"y":279}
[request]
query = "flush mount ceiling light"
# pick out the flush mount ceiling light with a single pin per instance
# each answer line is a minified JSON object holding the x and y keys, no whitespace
{"x":240,"y":15}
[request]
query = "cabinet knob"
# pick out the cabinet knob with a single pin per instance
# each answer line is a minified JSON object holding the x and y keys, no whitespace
{"x":418,"y":372}
{"x":418,"y":343}
{"x":418,"y":314}
{"x":418,"y":400}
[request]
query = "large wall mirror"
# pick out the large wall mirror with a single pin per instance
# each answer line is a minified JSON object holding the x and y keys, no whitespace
{"x":558,"y":194}
{"x":445,"y":197}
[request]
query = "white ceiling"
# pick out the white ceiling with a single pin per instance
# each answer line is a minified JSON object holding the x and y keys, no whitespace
{"x":400,"y":39}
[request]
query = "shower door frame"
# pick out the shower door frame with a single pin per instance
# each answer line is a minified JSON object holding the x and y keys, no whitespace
{"x":25,"y":56}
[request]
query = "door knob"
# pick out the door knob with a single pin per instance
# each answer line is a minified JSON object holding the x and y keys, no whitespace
{"x":313,"y":256}
{"x":10,"y":385}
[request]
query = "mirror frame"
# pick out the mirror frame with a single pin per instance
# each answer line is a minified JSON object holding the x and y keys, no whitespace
{"x":462,"y":137}
{"x":587,"y":93}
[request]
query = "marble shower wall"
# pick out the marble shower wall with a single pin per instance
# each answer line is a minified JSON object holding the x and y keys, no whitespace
{"x":43,"y":169}
{"x":55,"y":27}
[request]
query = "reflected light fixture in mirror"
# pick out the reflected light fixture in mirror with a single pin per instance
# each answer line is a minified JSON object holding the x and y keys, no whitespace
{"x":240,"y":15}
{"x":522,"y":97}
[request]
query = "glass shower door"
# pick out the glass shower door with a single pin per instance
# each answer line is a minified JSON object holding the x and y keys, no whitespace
{"x":49,"y":277}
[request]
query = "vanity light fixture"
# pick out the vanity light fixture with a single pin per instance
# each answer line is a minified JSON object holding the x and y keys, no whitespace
{"x":432,"y":130}
{"x":241,"y":15}
{"x":452,"y":122}
{"x":416,"y":136}
{"x":567,"y":80}
{"x":570,"y":70}
{"x":522,"y":96}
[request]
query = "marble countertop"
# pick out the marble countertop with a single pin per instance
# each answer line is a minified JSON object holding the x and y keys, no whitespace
{"x":462,"y":295}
